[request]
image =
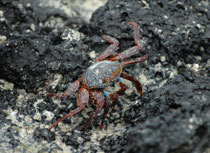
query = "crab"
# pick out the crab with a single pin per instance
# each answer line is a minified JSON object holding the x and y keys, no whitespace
{"x":104,"y":72}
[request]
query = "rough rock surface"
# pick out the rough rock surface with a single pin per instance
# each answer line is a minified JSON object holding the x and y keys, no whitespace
{"x":45,"y":45}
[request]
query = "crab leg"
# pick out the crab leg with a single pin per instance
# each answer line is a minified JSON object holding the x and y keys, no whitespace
{"x":98,"y":109}
{"x":83,"y":99}
{"x":98,"y":97}
{"x":125,"y":54}
{"x":110,"y":39}
{"x":134,"y":80}
{"x":112,"y":48}
{"x":133,"y":50}
{"x":112,"y":96}
{"x":136,"y":60}
{"x":73,"y":87}
{"x":136,"y":35}
{"x":122,"y":86}
{"x":101,"y":102}
{"x":106,"y":110}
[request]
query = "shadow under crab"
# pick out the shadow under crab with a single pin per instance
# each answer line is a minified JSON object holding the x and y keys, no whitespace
{"x":104,"y":72}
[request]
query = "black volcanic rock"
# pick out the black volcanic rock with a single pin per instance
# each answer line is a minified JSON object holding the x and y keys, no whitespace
{"x":45,"y":37}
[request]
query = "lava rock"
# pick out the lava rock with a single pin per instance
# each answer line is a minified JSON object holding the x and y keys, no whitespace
{"x":173,"y":29}
{"x":44,"y":134}
{"x":171,"y":116}
{"x":28,"y":53}
{"x":175,"y":116}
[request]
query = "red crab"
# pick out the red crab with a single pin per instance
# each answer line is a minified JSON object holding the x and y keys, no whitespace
{"x":104,"y":72}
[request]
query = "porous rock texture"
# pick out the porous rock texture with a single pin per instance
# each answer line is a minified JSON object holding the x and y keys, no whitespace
{"x":45,"y":45}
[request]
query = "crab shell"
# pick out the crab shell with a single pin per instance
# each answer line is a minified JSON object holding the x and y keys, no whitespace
{"x":101,"y":74}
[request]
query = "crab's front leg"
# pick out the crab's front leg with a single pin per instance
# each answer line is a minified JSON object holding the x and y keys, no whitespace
{"x":134,"y":80}
{"x":106,"y":110}
{"x":82,"y":100}
{"x":114,"y":96}
{"x":100,"y":101}
{"x":122,"y":86}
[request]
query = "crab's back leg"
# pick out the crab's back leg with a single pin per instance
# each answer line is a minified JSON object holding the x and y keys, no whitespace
{"x":73,"y":87}
{"x":133,"y":50}
{"x":111,"y":49}
{"x":136,"y":33}
{"x":136,"y":60}
{"x":82,"y":99}
{"x":125,"y":54}
{"x":134,"y":80}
